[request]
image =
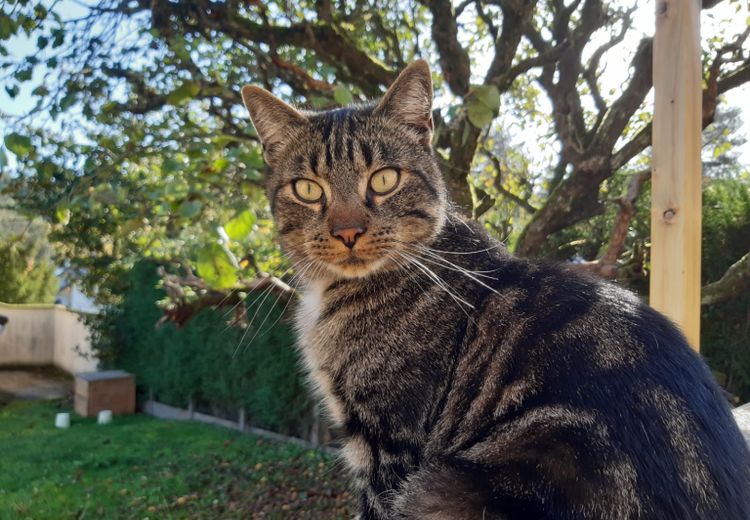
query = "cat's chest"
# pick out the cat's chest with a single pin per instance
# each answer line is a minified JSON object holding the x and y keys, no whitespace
{"x":315,"y":334}
{"x":317,"y":339}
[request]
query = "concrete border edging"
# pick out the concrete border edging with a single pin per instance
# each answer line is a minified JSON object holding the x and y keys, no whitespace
{"x":165,"y":411}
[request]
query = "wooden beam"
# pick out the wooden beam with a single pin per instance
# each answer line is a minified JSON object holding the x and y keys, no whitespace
{"x":676,"y":166}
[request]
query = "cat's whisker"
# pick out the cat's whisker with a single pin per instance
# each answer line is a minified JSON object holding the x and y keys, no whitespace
{"x":267,"y":292}
{"x":470,"y":274}
{"x":406,"y":268}
{"x":299,"y":274}
{"x":424,"y":250}
{"x":247,"y":295}
{"x":486,"y":249}
{"x":439,"y":281}
{"x":261,"y":299}
{"x":455,"y":267}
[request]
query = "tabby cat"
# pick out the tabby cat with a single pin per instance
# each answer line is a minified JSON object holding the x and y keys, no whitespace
{"x":472,"y":384}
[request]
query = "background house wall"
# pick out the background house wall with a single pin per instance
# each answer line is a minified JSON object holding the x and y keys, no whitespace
{"x":45,"y":334}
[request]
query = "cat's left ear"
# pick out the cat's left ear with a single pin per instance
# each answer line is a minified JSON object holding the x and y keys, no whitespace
{"x":274,"y":120}
{"x":409,"y":98}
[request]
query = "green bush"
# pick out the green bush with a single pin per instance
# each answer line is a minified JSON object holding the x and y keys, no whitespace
{"x":725,"y":327}
{"x":207,"y":361}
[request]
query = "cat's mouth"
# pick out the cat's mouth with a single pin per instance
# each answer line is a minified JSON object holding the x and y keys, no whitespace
{"x":357,"y":265}
{"x":353,"y":260}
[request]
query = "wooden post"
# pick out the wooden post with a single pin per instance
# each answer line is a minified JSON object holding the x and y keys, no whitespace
{"x":676,"y":179}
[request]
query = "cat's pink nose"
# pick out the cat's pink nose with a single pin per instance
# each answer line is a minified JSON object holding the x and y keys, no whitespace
{"x":348,"y":235}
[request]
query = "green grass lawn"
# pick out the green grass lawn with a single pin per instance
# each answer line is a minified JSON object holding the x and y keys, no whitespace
{"x":140,"y":467}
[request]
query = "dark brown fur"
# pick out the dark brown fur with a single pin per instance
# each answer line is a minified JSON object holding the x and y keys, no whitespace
{"x":473,"y":384}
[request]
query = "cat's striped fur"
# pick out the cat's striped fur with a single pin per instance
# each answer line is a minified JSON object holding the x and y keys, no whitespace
{"x":473,"y":384}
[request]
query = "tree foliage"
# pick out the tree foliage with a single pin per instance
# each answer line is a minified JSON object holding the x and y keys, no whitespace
{"x":27,"y":274}
{"x":139,"y":147}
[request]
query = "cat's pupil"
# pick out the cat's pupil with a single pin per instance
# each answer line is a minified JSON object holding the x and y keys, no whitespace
{"x":309,"y":188}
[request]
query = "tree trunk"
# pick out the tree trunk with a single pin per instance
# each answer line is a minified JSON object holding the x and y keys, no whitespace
{"x":574,"y":199}
{"x":463,"y":145}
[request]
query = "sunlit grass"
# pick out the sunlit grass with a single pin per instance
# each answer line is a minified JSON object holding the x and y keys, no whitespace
{"x":139,"y":467}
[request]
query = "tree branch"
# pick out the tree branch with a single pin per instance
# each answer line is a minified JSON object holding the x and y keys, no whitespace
{"x":454,"y":60}
{"x":498,"y":184}
{"x":330,"y":45}
{"x":183,"y":308}
{"x":734,"y":282}
{"x":606,"y":265}
{"x":715,"y":86}
{"x":622,"y":110}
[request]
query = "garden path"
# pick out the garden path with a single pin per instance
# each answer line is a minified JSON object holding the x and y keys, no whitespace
{"x":35,"y":384}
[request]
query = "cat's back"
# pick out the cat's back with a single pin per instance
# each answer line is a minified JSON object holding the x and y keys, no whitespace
{"x":590,"y":387}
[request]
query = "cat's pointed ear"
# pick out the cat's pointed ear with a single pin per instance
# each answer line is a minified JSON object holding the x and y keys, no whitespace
{"x":273,"y":119}
{"x":409,"y":98}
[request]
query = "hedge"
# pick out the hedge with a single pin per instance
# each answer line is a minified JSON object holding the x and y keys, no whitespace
{"x":207,"y":361}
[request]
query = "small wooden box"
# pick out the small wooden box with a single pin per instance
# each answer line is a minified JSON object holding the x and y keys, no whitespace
{"x":108,"y":390}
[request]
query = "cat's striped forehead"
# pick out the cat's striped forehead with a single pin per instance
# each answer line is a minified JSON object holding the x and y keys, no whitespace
{"x":342,"y":137}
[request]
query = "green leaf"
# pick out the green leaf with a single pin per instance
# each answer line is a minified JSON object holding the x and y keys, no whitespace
{"x":3,"y":159}
{"x":220,"y":164}
{"x":24,"y":74}
{"x":241,"y":225}
{"x":12,"y":91}
{"x":253,"y":174}
{"x":465,"y":134}
{"x":67,"y":101}
{"x":482,"y":104}
{"x":176,"y":190}
{"x":183,"y":93}
{"x":105,"y":194}
{"x":215,"y":267}
{"x":170,"y":165}
{"x":489,"y":95}
{"x":479,"y":115}
{"x":41,"y":90}
{"x":19,"y":144}
{"x":319,"y":101}
{"x":62,"y":213}
{"x":40,"y":12}
{"x":190,"y":208}
{"x":46,"y":169}
{"x":7,"y":26}
{"x":58,"y":36}
{"x":342,"y":95}
{"x":254,"y":158}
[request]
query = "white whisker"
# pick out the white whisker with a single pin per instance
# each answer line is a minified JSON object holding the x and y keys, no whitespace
{"x":450,"y":265}
{"x":439,"y":281}
{"x":467,"y":252}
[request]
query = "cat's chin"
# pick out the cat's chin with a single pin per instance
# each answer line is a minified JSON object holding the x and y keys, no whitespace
{"x":356,"y":267}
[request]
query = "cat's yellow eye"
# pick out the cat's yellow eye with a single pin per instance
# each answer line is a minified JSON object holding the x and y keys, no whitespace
{"x":383,"y":181}
{"x":307,"y":191}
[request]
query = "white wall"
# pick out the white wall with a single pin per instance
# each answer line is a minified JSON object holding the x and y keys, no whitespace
{"x":45,"y":334}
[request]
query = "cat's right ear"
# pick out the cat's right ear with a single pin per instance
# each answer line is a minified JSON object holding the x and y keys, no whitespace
{"x":273,"y":119}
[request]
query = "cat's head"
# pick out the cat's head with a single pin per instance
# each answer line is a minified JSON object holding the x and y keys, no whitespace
{"x":353,"y":189}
